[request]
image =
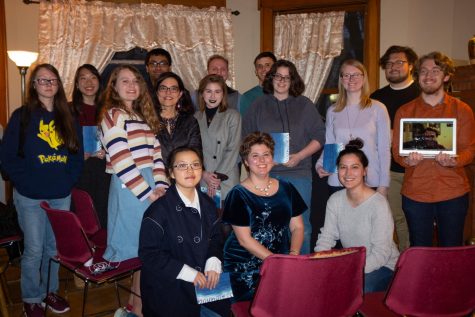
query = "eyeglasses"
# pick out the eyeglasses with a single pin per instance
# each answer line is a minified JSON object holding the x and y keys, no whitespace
{"x":436,"y":71}
{"x":279,"y":77}
{"x":396,"y":64}
{"x":172,"y":89}
{"x":185,"y":166}
{"x":348,"y":77}
{"x":45,"y":81}
{"x":157,"y":64}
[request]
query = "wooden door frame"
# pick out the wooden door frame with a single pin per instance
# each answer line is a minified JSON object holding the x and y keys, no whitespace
{"x":270,"y":8}
{"x":3,"y":67}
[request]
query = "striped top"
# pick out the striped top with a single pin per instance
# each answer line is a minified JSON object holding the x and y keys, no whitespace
{"x":130,"y":146}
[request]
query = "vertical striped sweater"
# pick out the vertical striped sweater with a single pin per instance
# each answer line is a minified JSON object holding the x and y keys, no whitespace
{"x":130,"y":146}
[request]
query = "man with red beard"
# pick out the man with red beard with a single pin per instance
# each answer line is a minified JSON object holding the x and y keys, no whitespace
{"x":398,"y":65}
{"x":436,"y":189}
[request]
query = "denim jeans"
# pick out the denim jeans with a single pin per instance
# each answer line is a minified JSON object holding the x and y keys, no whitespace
{"x":304,"y":187}
{"x":378,"y":280}
{"x":448,"y":214}
{"x":40,"y":246}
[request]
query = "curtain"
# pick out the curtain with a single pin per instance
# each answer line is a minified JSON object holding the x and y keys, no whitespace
{"x":310,"y":41}
{"x":74,"y":32}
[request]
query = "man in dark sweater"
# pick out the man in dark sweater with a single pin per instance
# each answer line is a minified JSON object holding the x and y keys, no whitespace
{"x":398,"y":65}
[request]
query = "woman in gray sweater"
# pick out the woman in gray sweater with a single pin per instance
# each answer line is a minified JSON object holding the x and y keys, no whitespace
{"x":283,"y":110}
{"x":360,"y":216}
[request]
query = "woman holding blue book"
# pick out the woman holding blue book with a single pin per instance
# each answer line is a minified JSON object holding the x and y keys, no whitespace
{"x":94,"y":180}
{"x":355,"y":115}
{"x":181,"y":244}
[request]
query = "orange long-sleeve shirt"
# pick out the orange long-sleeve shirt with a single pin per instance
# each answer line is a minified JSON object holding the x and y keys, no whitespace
{"x":429,"y":181}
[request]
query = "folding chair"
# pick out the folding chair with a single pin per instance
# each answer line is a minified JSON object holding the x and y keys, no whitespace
{"x":326,"y":284}
{"x":86,"y":212}
{"x":428,"y":282}
{"x":76,"y":253}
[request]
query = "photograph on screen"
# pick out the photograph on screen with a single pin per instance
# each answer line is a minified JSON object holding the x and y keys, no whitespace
{"x":428,"y":136}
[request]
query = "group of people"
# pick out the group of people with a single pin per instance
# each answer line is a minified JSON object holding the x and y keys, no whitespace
{"x":168,"y":158}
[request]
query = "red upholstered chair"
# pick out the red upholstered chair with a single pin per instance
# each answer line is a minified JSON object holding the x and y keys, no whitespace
{"x":428,"y":282}
{"x":329,"y":285}
{"x":86,"y":212}
{"x":75,"y":251}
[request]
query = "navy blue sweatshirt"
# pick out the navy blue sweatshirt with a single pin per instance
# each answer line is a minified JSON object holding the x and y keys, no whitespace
{"x":47,"y":170}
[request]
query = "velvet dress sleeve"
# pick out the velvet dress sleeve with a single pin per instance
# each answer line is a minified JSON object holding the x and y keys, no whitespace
{"x":235,"y":209}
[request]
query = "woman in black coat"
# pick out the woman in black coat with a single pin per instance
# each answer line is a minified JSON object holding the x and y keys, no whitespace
{"x":180,"y":244}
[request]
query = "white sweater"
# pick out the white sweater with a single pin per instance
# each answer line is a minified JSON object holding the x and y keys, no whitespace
{"x":370,"y":225}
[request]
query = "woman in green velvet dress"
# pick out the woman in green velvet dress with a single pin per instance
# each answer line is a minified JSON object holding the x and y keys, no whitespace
{"x":261,"y":210}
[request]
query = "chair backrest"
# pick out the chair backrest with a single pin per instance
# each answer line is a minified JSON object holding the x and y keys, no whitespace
{"x":330,"y":286}
{"x":71,"y":241}
{"x":84,"y":209}
{"x":434,"y":282}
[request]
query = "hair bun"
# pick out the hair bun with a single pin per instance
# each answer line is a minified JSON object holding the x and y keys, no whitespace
{"x":355,"y":144}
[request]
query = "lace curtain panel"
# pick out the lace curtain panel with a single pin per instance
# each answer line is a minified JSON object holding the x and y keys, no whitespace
{"x":310,"y":41}
{"x":74,"y":32}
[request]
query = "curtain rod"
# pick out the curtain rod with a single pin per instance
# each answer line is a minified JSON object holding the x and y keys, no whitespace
{"x":235,"y":12}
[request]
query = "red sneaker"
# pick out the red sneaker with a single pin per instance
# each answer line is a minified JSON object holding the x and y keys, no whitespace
{"x":55,"y":303}
{"x":33,"y":310}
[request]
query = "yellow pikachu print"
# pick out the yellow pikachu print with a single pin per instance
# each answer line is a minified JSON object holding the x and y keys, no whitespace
{"x":48,"y":133}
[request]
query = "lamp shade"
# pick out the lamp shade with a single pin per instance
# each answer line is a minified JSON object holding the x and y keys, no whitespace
{"x":22,"y":58}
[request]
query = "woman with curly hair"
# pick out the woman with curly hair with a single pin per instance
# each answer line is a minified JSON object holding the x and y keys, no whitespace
{"x":128,"y":125}
{"x":265,"y":214}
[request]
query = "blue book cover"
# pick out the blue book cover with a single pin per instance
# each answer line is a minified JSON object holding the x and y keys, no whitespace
{"x":330,"y":154}
{"x":90,"y":140}
{"x":221,"y":291}
{"x":282,"y":147}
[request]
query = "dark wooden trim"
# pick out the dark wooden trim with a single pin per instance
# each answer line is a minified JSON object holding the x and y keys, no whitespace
{"x":4,"y":83}
{"x":3,"y":67}
{"x":190,"y":3}
{"x":270,"y":8}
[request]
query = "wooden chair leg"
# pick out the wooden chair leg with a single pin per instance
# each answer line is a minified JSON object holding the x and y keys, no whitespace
{"x":3,"y":302}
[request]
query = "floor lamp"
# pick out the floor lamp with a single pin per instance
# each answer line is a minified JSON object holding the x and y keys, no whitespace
{"x":23,"y":60}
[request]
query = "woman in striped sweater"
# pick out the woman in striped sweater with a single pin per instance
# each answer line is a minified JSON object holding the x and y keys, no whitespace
{"x":128,"y":125}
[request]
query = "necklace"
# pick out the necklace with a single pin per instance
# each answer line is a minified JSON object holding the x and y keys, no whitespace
{"x":264,"y":190}
{"x":350,"y":127}
{"x":170,"y":123}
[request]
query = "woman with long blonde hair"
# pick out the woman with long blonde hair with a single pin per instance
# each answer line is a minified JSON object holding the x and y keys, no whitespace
{"x":355,"y":115}
{"x":128,"y":124}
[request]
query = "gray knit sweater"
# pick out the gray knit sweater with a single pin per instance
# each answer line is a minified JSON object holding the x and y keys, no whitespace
{"x":370,"y":225}
{"x":296,"y":115}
